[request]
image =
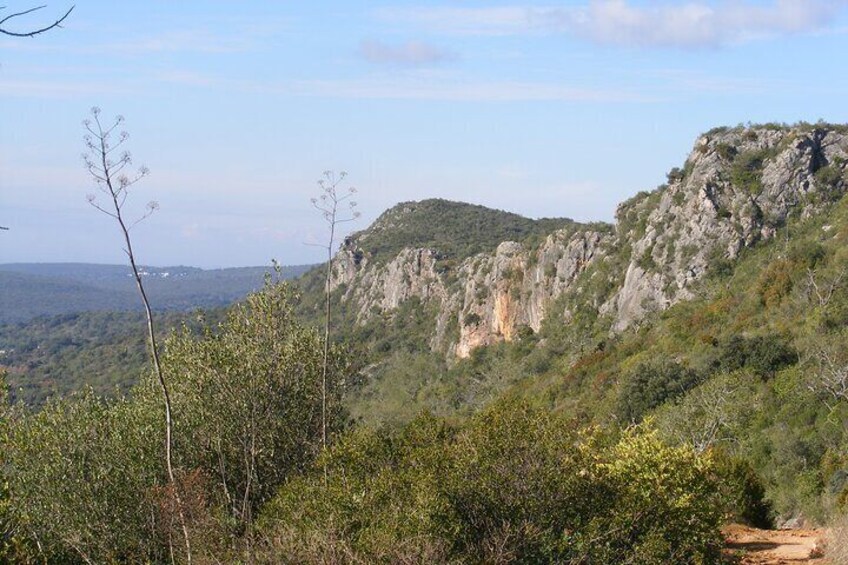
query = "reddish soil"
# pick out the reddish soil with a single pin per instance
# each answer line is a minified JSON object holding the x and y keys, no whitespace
{"x":775,"y":547}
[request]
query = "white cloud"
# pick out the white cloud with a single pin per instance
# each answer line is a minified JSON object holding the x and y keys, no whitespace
{"x":697,"y":24}
{"x":410,"y":54}
{"x":692,"y":24}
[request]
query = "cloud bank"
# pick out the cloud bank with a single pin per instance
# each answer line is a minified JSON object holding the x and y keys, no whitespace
{"x":687,"y":25}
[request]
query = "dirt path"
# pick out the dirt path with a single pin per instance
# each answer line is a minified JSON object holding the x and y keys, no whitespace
{"x":774,"y":547}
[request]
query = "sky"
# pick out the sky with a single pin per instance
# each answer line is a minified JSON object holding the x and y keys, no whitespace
{"x":543,"y":109}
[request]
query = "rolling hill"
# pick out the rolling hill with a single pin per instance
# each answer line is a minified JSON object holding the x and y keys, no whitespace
{"x":29,"y":290}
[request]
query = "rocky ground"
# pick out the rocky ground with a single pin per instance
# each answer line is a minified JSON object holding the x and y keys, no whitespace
{"x":775,"y":547}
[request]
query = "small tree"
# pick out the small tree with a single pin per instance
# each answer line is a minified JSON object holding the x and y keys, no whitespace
{"x":249,"y":398}
{"x":108,"y":172}
{"x":30,"y":32}
{"x":336,"y":208}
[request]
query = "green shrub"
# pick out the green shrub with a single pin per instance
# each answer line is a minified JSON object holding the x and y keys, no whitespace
{"x":675,"y":175}
{"x":646,"y":260}
{"x":514,"y":484}
{"x":776,"y":282}
{"x":746,"y":171}
{"x":651,"y":384}
{"x":80,"y":474}
{"x":85,"y":476}
{"x":665,"y":510}
{"x":472,"y":319}
{"x":741,"y":491}
{"x":764,"y":355}
{"x":249,"y":397}
{"x":725,"y":151}
{"x":829,"y":179}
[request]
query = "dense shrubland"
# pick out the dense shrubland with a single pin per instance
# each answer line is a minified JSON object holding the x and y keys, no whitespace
{"x":84,"y":480}
{"x":513,"y":483}
{"x":84,"y":475}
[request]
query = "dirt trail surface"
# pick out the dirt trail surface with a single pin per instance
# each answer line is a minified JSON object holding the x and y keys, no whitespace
{"x":775,"y":547}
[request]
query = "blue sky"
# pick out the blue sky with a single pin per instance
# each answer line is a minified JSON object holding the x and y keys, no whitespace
{"x":545,"y":109}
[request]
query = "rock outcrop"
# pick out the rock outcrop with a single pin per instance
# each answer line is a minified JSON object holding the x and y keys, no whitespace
{"x":738,"y":187}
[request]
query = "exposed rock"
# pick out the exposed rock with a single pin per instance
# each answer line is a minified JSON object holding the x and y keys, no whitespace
{"x":737,"y":188}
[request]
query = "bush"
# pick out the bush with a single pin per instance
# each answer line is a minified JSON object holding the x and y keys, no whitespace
{"x":764,"y":355}
{"x":741,"y":491}
{"x":829,"y":177}
{"x":725,"y":151}
{"x":651,"y":384}
{"x":472,"y":319}
{"x":747,"y":170}
{"x":80,"y":473}
{"x":248,"y":397}
{"x":86,"y":479}
{"x":514,"y":484}
{"x":665,"y":508}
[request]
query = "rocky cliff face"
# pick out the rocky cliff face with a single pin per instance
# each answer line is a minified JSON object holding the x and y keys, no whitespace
{"x":738,"y":186}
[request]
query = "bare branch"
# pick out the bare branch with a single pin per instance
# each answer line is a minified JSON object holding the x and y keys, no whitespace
{"x":824,"y":291}
{"x":56,"y":24}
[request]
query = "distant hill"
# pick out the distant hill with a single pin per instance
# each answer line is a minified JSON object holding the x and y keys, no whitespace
{"x":455,"y":230}
{"x":30,"y":290}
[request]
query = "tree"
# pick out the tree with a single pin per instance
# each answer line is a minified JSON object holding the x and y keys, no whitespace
{"x":331,"y":205}
{"x":111,"y":179}
{"x":30,"y":32}
{"x":250,"y":400}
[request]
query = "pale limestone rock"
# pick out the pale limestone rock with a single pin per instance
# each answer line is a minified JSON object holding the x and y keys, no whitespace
{"x":664,"y":242}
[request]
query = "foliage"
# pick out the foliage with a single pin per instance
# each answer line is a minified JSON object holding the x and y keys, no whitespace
{"x":741,"y":491}
{"x":52,"y":357}
{"x":746,"y":170}
{"x":85,"y":479}
{"x":712,"y":414}
{"x":765,"y":355}
{"x":249,"y":398}
{"x":79,"y":473}
{"x":514,"y":484}
{"x":649,"y":385}
{"x":726,"y":151}
{"x":830,"y":177}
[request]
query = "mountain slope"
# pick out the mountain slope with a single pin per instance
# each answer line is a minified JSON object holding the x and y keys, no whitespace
{"x":717,"y":305}
{"x":738,"y":187}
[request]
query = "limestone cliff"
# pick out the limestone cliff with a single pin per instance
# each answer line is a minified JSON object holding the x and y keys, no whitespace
{"x":495,"y":275}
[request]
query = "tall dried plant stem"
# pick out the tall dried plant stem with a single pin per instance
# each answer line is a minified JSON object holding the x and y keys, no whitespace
{"x":336,"y":209}
{"x":109,"y":177}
